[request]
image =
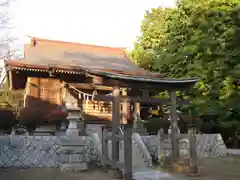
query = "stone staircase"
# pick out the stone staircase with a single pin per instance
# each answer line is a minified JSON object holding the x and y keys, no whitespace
{"x":140,"y":154}
{"x":142,"y":161}
{"x":137,"y":159}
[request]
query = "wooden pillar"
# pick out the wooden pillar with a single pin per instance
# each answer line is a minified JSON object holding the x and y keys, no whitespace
{"x":174,"y":126}
{"x":124,"y":109}
{"x":137,"y":108}
{"x":115,"y":125}
{"x":26,"y":93}
{"x":64,"y":94}
{"x":39,"y":87}
{"x":10,"y":80}
{"x":145,"y":94}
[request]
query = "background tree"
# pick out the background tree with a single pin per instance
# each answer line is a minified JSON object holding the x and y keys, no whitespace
{"x":6,"y":30}
{"x":199,"y":38}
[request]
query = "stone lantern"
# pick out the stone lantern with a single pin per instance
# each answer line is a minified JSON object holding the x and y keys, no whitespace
{"x":73,"y":117}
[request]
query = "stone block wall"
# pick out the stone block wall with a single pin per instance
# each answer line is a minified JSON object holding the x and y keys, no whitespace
{"x":46,"y":151}
{"x":208,"y":145}
{"x":29,"y":151}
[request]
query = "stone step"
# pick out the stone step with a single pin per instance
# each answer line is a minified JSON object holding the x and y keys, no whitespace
{"x":136,"y":155}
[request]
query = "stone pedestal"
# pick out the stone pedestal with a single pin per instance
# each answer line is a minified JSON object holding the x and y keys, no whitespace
{"x":72,"y":154}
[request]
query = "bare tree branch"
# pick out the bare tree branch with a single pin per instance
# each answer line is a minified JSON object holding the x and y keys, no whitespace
{"x":6,"y":38}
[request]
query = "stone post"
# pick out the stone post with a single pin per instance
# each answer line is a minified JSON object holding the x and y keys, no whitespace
{"x":193,"y":161}
{"x":63,"y":126}
{"x":161,"y":150}
{"x":104,"y":149}
{"x":174,"y":127}
{"x":62,"y":130}
{"x":128,"y":174}
{"x":13,"y":131}
{"x":73,"y":117}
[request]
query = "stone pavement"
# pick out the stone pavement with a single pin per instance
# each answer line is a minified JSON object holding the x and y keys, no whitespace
{"x":150,"y":174}
{"x":234,"y":152}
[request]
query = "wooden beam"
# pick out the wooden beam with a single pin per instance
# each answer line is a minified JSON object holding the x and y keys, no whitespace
{"x":138,"y":99}
{"x":91,"y":86}
{"x":106,"y":81}
{"x":102,"y":98}
{"x":145,"y":100}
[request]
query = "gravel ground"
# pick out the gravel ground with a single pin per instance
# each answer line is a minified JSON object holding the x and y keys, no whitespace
{"x":220,"y":168}
{"x":50,"y":174}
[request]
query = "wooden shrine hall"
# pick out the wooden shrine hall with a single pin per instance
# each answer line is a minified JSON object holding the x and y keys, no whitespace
{"x":103,"y":81}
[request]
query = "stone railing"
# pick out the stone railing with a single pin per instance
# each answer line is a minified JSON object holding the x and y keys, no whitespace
{"x":151,"y":144}
{"x":97,"y":142}
{"x":95,"y":149}
{"x":143,"y":149}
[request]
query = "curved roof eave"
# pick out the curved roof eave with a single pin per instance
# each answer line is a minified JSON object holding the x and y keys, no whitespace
{"x":150,"y":80}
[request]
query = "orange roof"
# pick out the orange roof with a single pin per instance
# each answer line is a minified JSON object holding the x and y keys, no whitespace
{"x":44,"y":53}
{"x":41,"y":55}
{"x":76,"y":46}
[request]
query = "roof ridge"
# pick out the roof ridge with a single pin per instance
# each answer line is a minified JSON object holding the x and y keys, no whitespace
{"x":73,"y":43}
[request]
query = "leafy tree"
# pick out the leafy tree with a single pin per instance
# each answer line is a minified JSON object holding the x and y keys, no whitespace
{"x":199,"y":38}
{"x":142,"y":57}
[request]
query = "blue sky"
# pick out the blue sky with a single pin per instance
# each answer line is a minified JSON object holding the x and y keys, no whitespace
{"x":100,"y":22}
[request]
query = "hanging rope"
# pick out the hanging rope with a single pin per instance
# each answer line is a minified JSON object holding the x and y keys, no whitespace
{"x":86,"y":96}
